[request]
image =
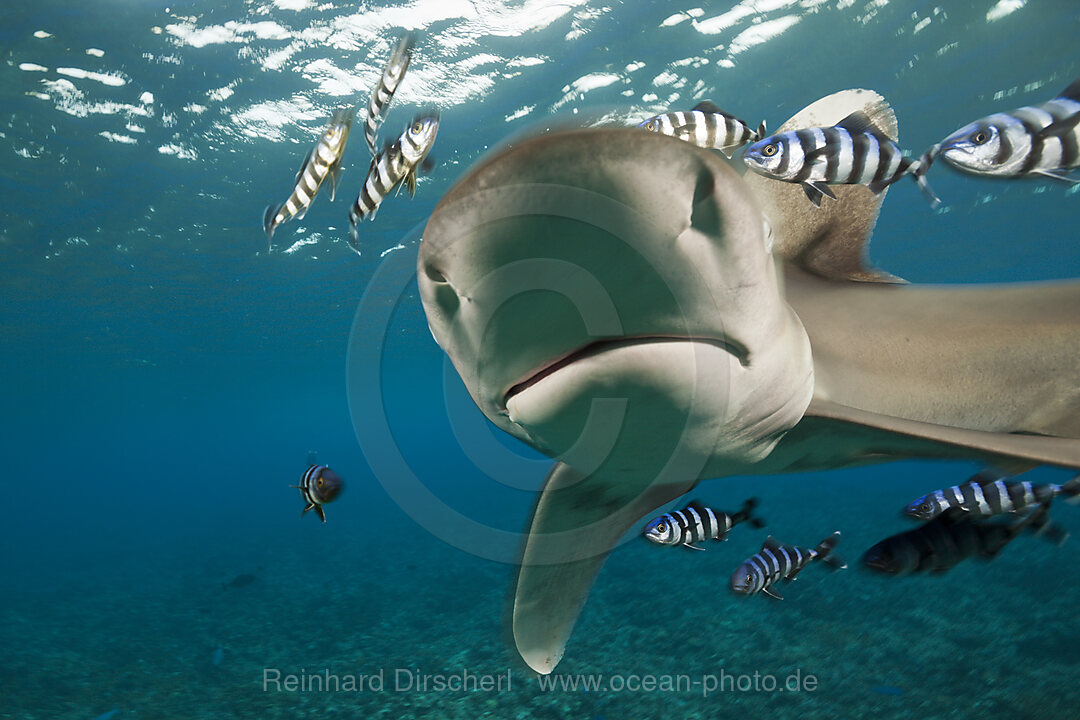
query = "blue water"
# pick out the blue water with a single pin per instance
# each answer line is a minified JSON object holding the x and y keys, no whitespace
{"x":164,"y":376}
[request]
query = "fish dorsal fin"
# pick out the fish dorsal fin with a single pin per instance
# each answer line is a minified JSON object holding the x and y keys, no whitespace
{"x":697,"y":506}
{"x":771,"y":544}
{"x":304,"y":164}
{"x":707,"y":106}
{"x":1072,"y":92}
{"x":828,"y":241}
{"x":859,"y":122}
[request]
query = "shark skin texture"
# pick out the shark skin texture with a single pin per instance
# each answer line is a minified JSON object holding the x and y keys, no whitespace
{"x":633,"y":307}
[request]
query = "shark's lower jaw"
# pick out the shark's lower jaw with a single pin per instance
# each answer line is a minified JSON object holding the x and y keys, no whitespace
{"x":635,"y":405}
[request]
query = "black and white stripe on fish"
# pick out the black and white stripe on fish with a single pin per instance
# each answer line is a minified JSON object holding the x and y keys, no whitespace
{"x":706,"y":126}
{"x":781,"y":562}
{"x":1034,"y":140}
{"x":852,"y":152}
{"x":990,"y":493}
{"x":391,"y":78}
{"x":322,"y":162}
{"x":399,"y":162}
{"x":319,"y":485}
{"x":696,"y":523}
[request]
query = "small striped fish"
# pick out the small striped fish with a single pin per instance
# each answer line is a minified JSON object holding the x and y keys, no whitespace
{"x":391,"y":77}
{"x":399,"y":162}
{"x":322,"y":162}
{"x":696,"y":523}
{"x":706,"y":126}
{"x":947,"y":540}
{"x":1040,"y":139}
{"x":987,"y":494}
{"x":781,"y":562}
{"x":852,"y":152}
{"x":319,"y":485}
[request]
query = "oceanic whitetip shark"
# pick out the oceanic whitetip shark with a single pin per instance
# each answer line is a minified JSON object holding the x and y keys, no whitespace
{"x":630,"y":305}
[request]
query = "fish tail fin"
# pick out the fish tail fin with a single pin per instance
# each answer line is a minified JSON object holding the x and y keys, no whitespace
{"x":762,"y":132}
{"x":1039,"y":523}
{"x":354,"y":234}
{"x":1071,"y":491}
{"x":826,"y":551}
{"x":918,"y":170}
{"x":746,"y":514}
{"x":268,"y":223}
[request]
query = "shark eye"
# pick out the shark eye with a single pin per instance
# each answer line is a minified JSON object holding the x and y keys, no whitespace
{"x":770,"y":150}
{"x":980,"y":137}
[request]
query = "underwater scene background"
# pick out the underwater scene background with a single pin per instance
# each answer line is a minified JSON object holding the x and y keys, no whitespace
{"x":165,"y":375}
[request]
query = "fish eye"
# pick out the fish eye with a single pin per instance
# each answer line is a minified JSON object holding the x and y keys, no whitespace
{"x":769,"y":150}
{"x":418,"y":127}
{"x":980,"y":137}
{"x":319,"y":482}
{"x":651,"y":125}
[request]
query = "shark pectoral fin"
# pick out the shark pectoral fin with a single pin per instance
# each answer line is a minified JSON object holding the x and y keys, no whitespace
{"x":829,"y":241}
{"x":577,"y":521}
{"x":932,"y":440}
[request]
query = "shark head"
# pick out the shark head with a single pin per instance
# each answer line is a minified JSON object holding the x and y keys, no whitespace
{"x":630,"y":305}
{"x":608,"y":296}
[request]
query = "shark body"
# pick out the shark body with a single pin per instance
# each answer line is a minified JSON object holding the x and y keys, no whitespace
{"x":633,"y":307}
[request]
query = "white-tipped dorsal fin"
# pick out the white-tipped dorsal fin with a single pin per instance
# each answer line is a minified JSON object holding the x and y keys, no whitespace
{"x":829,"y":241}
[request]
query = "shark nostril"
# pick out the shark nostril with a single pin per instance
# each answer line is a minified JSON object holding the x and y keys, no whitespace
{"x":434,"y":275}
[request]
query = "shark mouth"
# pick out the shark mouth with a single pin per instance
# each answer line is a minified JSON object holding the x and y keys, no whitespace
{"x":600,"y":346}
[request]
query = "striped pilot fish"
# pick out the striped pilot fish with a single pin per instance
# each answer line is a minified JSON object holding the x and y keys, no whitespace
{"x":391,"y":77}
{"x":322,"y":162}
{"x":949,"y":539}
{"x":399,"y":162}
{"x":1039,"y":139}
{"x":781,"y":562}
{"x":706,"y":126}
{"x":696,"y":523}
{"x":852,"y":152}
{"x":319,"y":485}
{"x":989,"y":493}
